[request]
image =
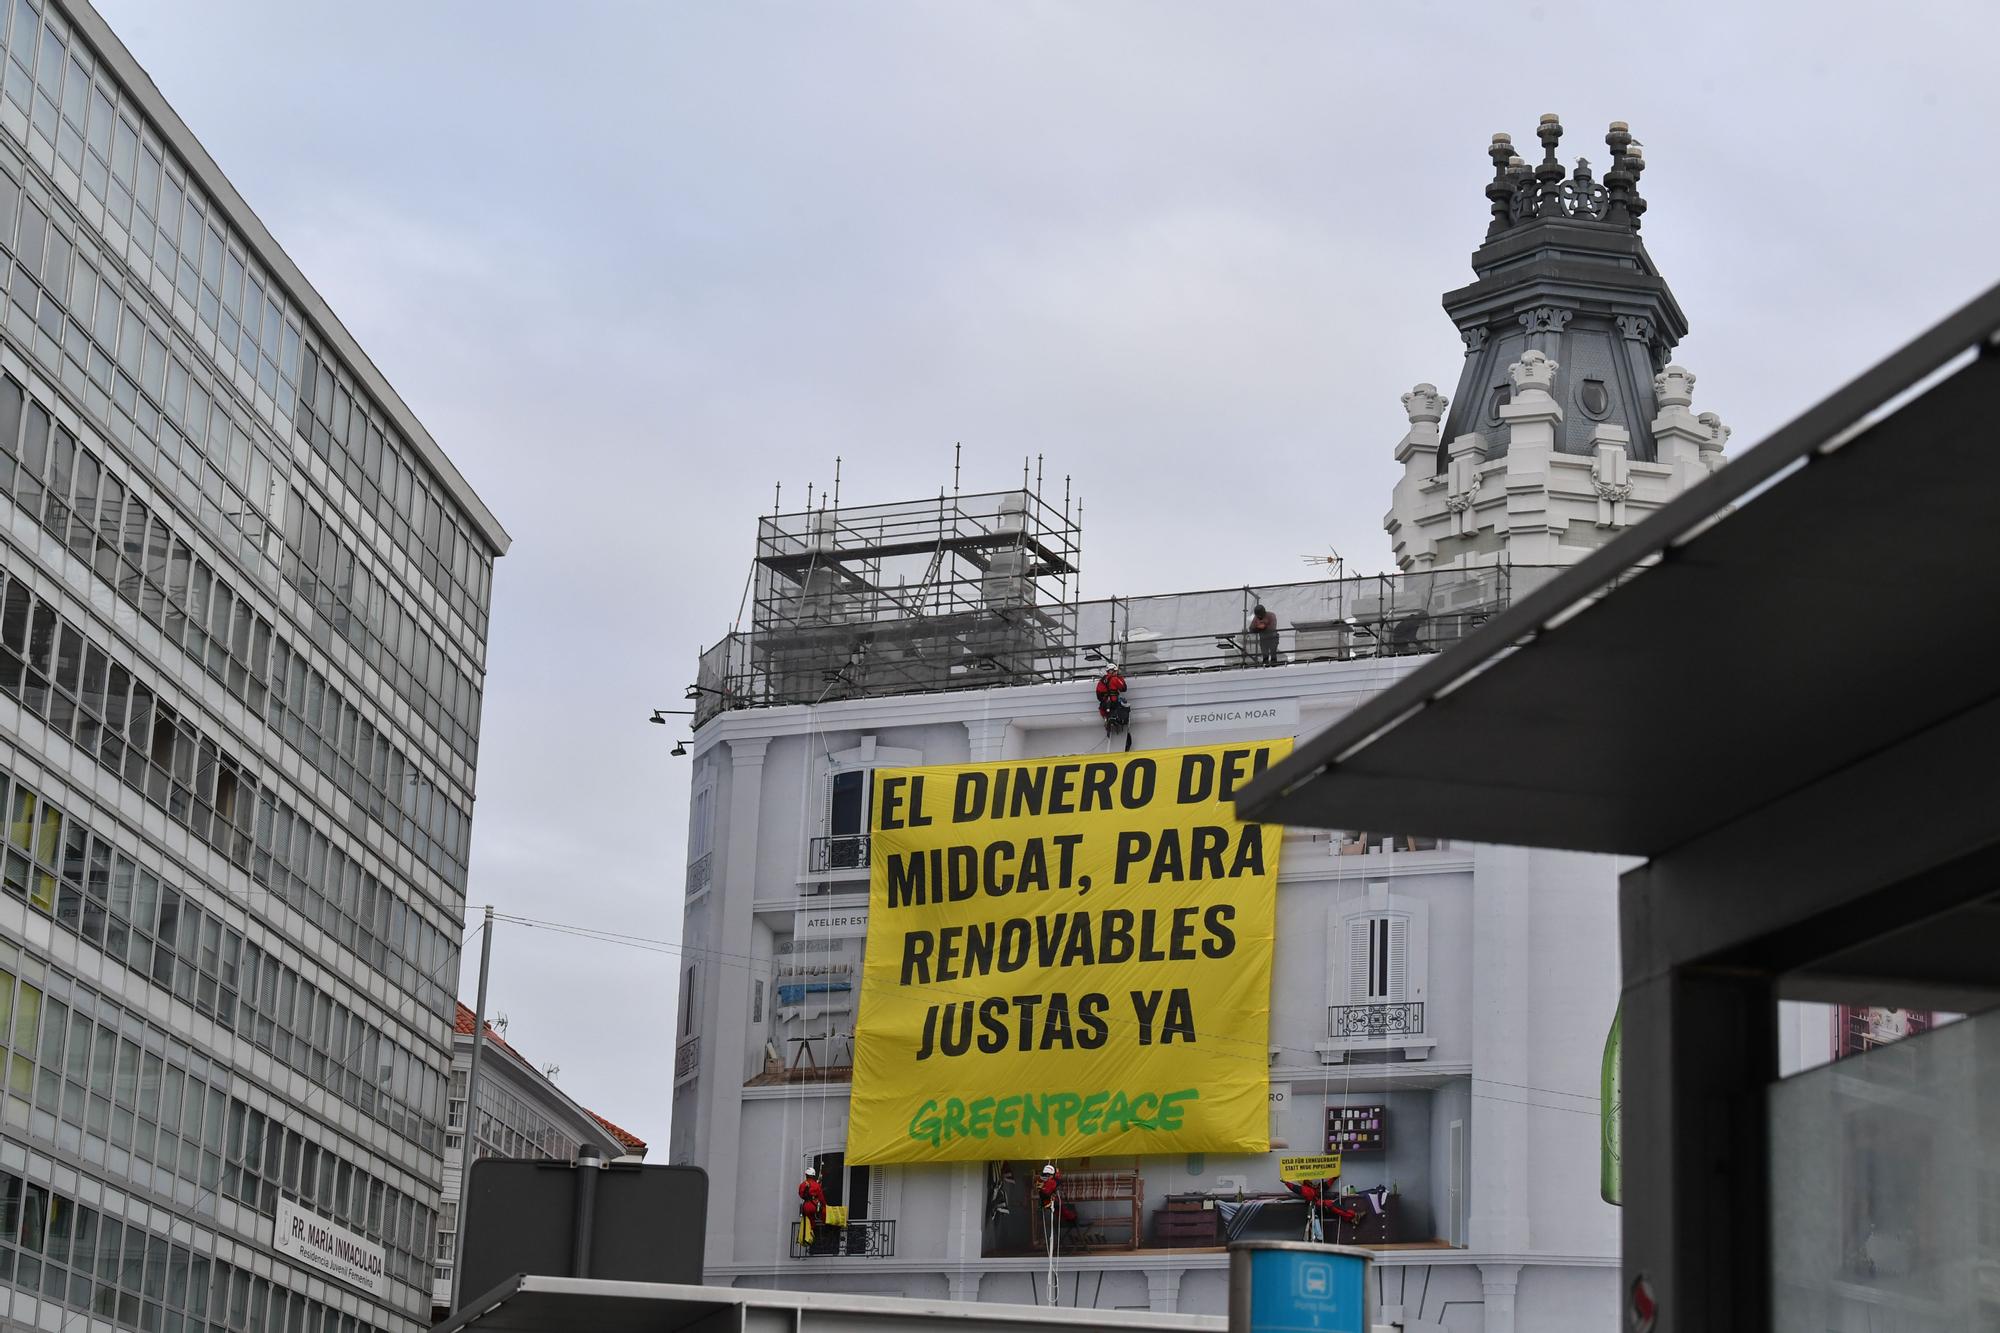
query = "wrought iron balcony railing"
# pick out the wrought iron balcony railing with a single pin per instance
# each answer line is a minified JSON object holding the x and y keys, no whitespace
{"x":868,"y":1238}
{"x":1375,"y":1020}
{"x":842,"y":851}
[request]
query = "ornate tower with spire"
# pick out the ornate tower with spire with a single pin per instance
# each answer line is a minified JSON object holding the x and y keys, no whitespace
{"x":1569,"y":421}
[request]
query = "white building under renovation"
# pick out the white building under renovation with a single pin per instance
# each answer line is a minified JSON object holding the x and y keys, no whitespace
{"x":1439,"y":1011}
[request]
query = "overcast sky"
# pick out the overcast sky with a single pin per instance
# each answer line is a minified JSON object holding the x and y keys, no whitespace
{"x":634,"y":264}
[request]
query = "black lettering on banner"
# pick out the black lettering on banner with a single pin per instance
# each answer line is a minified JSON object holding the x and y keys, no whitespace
{"x":992,"y":1021}
{"x":1030,"y":787}
{"x":1062,"y":799}
{"x":1222,"y":940}
{"x":889,"y":803}
{"x":1135,"y":788}
{"x":1090,"y":1015}
{"x":1014,"y":941}
{"x":997,"y":882}
{"x":917,"y":948}
{"x":978,"y":948}
{"x":1197,"y":779}
{"x":1144,"y":1004}
{"x":968,"y":798}
{"x":1133,"y":844}
{"x":1097,"y":780}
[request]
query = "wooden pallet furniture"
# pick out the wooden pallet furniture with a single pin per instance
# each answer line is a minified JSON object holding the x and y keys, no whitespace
{"x":1187,"y":1219}
{"x":1108,"y":1215}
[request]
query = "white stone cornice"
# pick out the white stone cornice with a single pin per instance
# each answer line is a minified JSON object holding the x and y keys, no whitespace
{"x":748,"y":751}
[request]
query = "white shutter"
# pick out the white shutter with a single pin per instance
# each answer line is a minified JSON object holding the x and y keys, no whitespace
{"x":1360,"y":932}
{"x":1399,"y":958}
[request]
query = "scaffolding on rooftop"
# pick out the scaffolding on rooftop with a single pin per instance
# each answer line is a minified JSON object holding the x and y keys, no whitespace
{"x":914,"y":597}
{"x":967,"y":592}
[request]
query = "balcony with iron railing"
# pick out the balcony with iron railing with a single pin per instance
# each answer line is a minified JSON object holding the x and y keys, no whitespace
{"x":861,"y":1238}
{"x":1375,"y":1020}
{"x":1385,"y":1027}
{"x":820,"y":653}
{"x":840,"y":851}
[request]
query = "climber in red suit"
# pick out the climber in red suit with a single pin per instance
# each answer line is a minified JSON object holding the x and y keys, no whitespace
{"x":812,"y":1198}
{"x":1048,"y":1190}
{"x":1321,"y":1194}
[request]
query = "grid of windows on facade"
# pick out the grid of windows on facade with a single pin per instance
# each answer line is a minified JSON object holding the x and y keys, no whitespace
{"x":509,"y":1126}
{"x":65,"y":869}
{"x":141,"y":299}
{"x":106,"y":1089}
{"x":94,"y":1262}
{"x":79,"y":499}
{"x":114,"y":716}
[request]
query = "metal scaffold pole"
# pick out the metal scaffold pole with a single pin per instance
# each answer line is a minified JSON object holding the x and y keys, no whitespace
{"x":469,"y":1134}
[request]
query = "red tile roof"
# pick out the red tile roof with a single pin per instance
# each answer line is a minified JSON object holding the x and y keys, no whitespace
{"x":462,"y":1026}
{"x":632,"y":1142}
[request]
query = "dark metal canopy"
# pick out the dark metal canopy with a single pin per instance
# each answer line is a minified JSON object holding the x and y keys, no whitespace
{"x":1831,"y":593}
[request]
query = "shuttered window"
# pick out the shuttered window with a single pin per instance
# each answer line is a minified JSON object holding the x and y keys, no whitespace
{"x":1378,"y":958}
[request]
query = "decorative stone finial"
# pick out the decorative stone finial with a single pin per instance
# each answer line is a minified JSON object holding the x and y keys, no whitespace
{"x":1500,"y":190}
{"x":1716,"y":429}
{"x":1534,"y":372}
{"x":1425,"y":403}
{"x":1549,"y":175}
{"x":1674,"y":386}
{"x":1523,"y":191}
{"x":1617,"y":177}
{"x":1636,"y":164}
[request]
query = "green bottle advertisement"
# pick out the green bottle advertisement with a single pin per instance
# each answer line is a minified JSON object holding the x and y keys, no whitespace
{"x":1611,"y":1180}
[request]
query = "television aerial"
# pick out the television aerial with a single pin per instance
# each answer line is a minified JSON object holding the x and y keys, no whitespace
{"x":1334,"y":563}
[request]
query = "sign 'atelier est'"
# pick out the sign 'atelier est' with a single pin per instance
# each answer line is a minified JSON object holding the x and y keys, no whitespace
{"x":1067,"y":957}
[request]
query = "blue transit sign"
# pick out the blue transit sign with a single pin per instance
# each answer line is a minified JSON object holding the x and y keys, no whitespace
{"x":1292,"y":1287}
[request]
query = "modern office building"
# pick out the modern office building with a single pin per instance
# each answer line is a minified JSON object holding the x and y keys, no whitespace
{"x":1439,"y":1009}
{"x":522,"y":1113}
{"x":242,"y":638}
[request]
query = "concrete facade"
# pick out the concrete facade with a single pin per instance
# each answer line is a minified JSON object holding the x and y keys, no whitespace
{"x":1512,"y":954}
{"x":1491,"y":1091}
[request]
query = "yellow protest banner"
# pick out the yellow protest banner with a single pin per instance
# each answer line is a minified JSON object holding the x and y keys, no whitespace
{"x":1066,"y":957}
{"x":1326,"y":1167}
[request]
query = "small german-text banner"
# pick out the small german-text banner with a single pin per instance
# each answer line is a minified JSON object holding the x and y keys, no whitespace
{"x":1325,"y":1167}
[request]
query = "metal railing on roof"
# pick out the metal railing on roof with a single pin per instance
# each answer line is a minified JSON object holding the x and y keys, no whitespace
{"x":1327,"y":620}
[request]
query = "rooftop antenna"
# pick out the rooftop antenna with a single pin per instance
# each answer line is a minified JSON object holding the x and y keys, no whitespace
{"x":1335,"y":563}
